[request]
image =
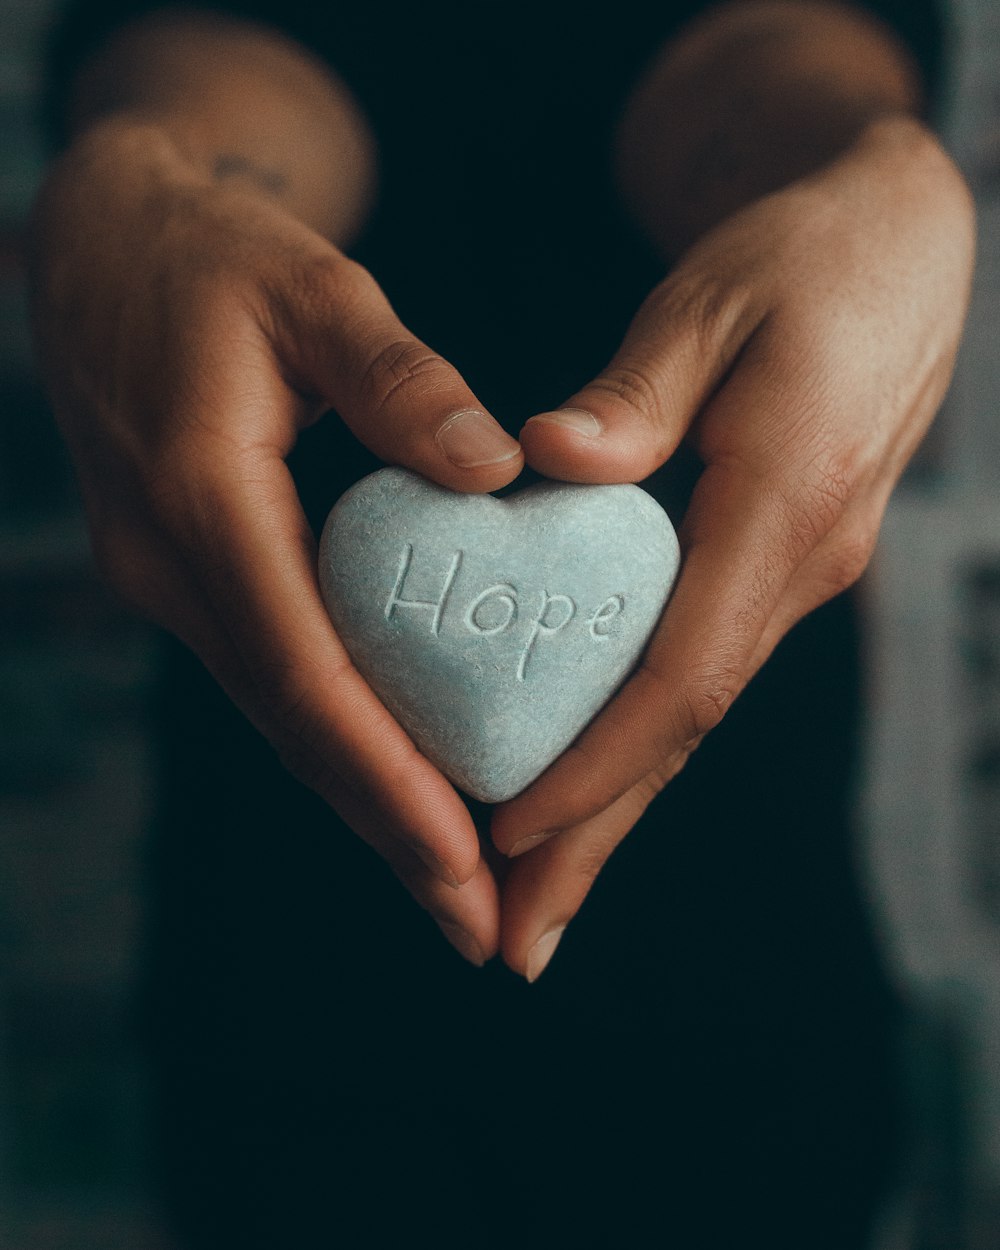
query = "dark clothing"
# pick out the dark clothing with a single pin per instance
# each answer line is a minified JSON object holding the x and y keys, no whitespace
{"x":706,"y":1061}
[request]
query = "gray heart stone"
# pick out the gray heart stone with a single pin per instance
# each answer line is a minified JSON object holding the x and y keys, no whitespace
{"x":495,"y":629}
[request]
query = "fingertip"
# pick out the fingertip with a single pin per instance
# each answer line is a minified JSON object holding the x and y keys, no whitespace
{"x":444,"y":872}
{"x":575,"y":421}
{"x":564,"y":442}
{"x":464,"y":942}
{"x":475,"y":453}
{"x":534,"y":816}
{"x":576,"y":445}
{"x":541,"y":952}
{"x":464,"y":873}
{"x":529,"y":843}
{"x":457,"y":870}
{"x":531,"y":930}
{"x":470,"y":918}
{"x":478,"y":481}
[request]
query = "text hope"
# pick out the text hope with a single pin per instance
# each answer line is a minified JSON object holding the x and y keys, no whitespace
{"x":498,"y":608}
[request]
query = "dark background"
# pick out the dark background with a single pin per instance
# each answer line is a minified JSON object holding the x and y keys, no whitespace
{"x":76,"y":677}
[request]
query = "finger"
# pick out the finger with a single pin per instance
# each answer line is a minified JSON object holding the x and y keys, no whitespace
{"x":745,"y":535}
{"x":626,"y":422}
{"x":468,"y":917}
{"x":337,"y":333}
{"x":842,"y":556}
{"x":144,"y":569}
{"x":226,"y":505}
{"x":546,"y":887}
{"x":835,"y":565}
{"x":777,"y":480}
{"x":238,"y":525}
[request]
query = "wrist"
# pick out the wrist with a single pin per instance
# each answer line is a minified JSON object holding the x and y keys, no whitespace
{"x":892,"y":137}
{"x":240,"y":104}
{"x":902,"y":152}
{"x":173,"y":147}
{"x":149,"y":151}
{"x":773,"y":92}
{"x":113,"y":163}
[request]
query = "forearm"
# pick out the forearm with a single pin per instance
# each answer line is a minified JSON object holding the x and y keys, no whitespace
{"x":750,"y":98}
{"x":237,"y":102}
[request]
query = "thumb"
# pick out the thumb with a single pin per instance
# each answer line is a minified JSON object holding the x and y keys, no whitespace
{"x":625,"y":423}
{"x":341,"y":340}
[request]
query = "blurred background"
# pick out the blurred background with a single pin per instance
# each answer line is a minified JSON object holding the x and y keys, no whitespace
{"x":76,"y":677}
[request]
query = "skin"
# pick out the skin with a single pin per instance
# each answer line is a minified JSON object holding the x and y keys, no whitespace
{"x":194,"y":310}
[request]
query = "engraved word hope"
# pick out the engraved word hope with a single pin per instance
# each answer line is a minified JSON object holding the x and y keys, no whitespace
{"x":497,"y":608}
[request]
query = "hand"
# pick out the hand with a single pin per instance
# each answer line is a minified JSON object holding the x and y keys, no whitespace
{"x":802,"y":347}
{"x":189,"y":331}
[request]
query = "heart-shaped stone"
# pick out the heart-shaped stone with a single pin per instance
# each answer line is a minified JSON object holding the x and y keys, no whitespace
{"x":495,"y":629}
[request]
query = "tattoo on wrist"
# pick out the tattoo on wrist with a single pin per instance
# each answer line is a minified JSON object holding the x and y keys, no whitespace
{"x":229,"y":165}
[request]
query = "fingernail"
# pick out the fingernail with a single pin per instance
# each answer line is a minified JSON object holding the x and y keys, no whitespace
{"x":437,"y":867}
{"x":470,"y":439}
{"x":542,"y":952}
{"x":463,"y":942}
{"x":525,"y":844}
{"x":573,"y":419}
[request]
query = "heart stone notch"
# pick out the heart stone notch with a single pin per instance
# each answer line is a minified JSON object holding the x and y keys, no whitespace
{"x":493,"y":629}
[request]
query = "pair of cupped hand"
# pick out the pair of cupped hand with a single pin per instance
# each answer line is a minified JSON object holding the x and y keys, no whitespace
{"x":189,"y":330}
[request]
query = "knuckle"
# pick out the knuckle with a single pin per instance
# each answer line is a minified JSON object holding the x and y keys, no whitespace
{"x":296,"y":736}
{"x":708,"y":699}
{"x":660,"y":777}
{"x":592,"y":859}
{"x":849,"y":558}
{"x":325,"y":275}
{"x":322,"y":290}
{"x":298,"y":726}
{"x":655,"y":781}
{"x":707,"y":307}
{"x":829,"y":487}
{"x":814,"y":499}
{"x":709,"y":310}
{"x":629,"y":382}
{"x":289,"y":703}
{"x":399,"y":369}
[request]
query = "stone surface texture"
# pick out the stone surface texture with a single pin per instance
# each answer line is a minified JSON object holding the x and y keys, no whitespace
{"x":495,"y":629}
